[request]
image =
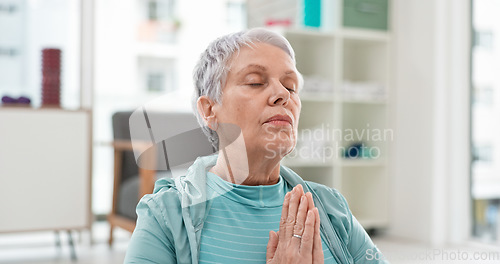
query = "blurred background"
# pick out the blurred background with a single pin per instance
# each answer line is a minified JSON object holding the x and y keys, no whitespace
{"x":401,"y":114}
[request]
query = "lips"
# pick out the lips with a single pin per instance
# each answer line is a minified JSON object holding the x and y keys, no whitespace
{"x":280,"y":120}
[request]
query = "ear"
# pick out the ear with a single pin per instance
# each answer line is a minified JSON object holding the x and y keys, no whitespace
{"x":206,"y":110}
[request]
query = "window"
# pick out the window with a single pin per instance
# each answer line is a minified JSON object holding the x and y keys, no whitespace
{"x":485,"y":130}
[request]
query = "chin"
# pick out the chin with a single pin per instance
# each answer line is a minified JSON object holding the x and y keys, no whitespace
{"x":278,"y":149}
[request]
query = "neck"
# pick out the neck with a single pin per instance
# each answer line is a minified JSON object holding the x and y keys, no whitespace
{"x":241,"y":166}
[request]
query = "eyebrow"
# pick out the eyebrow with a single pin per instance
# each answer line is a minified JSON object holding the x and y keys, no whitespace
{"x":262,"y":68}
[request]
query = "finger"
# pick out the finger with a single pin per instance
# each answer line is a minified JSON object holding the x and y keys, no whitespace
{"x":284,"y":215}
{"x":318,"y":256}
{"x":272,"y":244}
{"x":292,"y":213}
{"x":300,"y":189}
{"x":298,"y":229}
{"x":306,"y":245}
{"x":310,"y":200}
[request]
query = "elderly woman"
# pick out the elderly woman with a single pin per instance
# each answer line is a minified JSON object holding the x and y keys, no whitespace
{"x":242,"y":206}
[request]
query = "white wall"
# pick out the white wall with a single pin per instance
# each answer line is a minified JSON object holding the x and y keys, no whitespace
{"x":117,"y":85}
{"x":430,"y":199}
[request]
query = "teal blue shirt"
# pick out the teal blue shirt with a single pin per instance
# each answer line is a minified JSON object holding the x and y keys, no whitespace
{"x":237,"y":227}
{"x":171,"y":220}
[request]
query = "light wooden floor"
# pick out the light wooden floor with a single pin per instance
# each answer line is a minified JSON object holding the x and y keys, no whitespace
{"x":39,"y":248}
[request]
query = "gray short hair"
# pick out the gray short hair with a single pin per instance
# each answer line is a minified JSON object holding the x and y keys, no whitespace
{"x":211,"y":70}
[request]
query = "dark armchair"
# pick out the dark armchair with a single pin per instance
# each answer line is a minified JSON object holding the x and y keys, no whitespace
{"x":163,"y":142}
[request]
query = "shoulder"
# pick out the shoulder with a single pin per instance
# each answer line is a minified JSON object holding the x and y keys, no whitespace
{"x":154,"y":234}
{"x":164,"y":191}
{"x":327,"y":192}
{"x":163,"y":203}
{"x":335,"y":206}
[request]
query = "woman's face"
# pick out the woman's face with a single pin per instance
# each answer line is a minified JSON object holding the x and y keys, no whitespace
{"x":260,"y":96}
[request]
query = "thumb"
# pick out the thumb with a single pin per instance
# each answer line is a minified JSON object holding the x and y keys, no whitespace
{"x":271,"y":245}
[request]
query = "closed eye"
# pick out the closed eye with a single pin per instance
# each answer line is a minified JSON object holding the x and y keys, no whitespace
{"x":255,"y":84}
{"x":290,"y":90}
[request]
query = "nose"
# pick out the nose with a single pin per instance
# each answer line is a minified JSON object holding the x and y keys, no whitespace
{"x":279,"y":94}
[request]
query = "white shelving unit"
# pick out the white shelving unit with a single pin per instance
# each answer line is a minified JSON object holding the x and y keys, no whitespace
{"x":340,"y":56}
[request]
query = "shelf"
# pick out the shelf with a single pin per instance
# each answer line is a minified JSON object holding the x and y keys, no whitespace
{"x":346,"y":33}
{"x":371,"y":101}
{"x":361,"y":162}
{"x":157,"y":50}
{"x":309,"y":33}
{"x":365,"y":34}
{"x":329,"y":97}
{"x":317,"y":97}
